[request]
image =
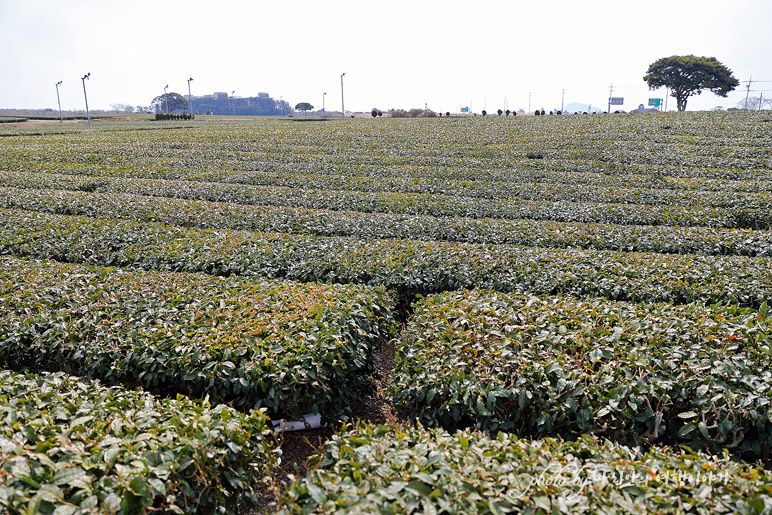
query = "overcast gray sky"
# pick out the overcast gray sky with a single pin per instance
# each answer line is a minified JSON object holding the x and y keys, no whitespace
{"x":396,"y":54}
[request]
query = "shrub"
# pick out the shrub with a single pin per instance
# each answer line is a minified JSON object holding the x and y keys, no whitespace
{"x":291,"y":348}
{"x":172,"y":116}
{"x":398,"y":113}
{"x":386,"y":469}
{"x":634,"y":373}
{"x":73,"y":446}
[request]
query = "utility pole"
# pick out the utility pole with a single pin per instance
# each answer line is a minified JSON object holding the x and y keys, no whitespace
{"x":748,"y":92}
{"x":190,"y":99}
{"x":342,"y":105}
{"x":529,"y":102}
{"x":83,"y":79}
{"x":610,"y":94}
{"x":59,"y":101}
{"x":562,"y":100}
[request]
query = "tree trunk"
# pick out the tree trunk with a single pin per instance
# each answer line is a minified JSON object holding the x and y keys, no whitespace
{"x":681,"y":101}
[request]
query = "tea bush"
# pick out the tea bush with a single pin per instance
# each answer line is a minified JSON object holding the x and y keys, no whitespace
{"x":290,"y":348}
{"x":68,"y":445}
{"x":387,"y":469}
{"x":634,"y":373}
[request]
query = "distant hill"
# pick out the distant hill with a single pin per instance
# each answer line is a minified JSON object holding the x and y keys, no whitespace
{"x":576,"y":107}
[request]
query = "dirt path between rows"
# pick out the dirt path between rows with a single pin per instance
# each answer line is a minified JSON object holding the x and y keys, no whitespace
{"x":298,"y":446}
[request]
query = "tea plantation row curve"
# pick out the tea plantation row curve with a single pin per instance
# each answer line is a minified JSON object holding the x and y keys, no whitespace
{"x":407,"y":267}
{"x":709,"y":145}
{"x":711,"y":215}
{"x":544,"y":233}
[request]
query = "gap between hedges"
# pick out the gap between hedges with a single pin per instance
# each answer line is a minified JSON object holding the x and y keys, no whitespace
{"x":375,"y":408}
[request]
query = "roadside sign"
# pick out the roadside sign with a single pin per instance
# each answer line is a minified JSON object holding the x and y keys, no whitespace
{"x":655,"y":102}
{"x":617,"y":101}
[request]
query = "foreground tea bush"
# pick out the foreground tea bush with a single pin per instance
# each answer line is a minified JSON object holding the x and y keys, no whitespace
{"x":633,"y":373}
{"x":72,"y":446}
{"x":408,"y":267}
{"x":291,"y":348}
{"x":385,"y":469}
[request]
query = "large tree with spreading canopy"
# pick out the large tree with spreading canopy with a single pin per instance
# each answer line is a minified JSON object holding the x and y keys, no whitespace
{"x":170,"y":102}
{"x":687,"y":75}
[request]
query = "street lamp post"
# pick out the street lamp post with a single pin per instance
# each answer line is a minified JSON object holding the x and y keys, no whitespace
{"x":83,"y":79}
{"x":59,"y":101}
{"x":166,"y":99}
{"x":342,"y":105}
{"x":190,"y":99}
{"x":323,"y":111}
{"x":233,"y":104}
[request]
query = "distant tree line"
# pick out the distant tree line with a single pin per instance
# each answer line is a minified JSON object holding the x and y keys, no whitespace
{"x":413,"y":113}
{"x":250,"y":106}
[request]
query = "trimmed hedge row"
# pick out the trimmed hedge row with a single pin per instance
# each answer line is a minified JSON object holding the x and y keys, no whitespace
{"x":291,"y":348}
{"x":408,"y":267}
{"x":389,"y":470}
{"x":546,"y":233}
{"x":625,"y":151}
{"x":634,"y":373}
{"x":711,"y":215}
{"x":73,"y":446}
{"x":545,"y":187}
{"x":173,"y":116}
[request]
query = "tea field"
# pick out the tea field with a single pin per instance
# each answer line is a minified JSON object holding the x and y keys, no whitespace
{"x":579,"y":308}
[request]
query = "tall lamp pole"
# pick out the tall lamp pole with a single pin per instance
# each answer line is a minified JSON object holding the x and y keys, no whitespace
{"x":59,"y":101}
{"x":342,"y":105}
{"x":323,"y":111}
{"x":190,"y":99}
{"x":166,"y":100}
{"x":83,"y":79}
